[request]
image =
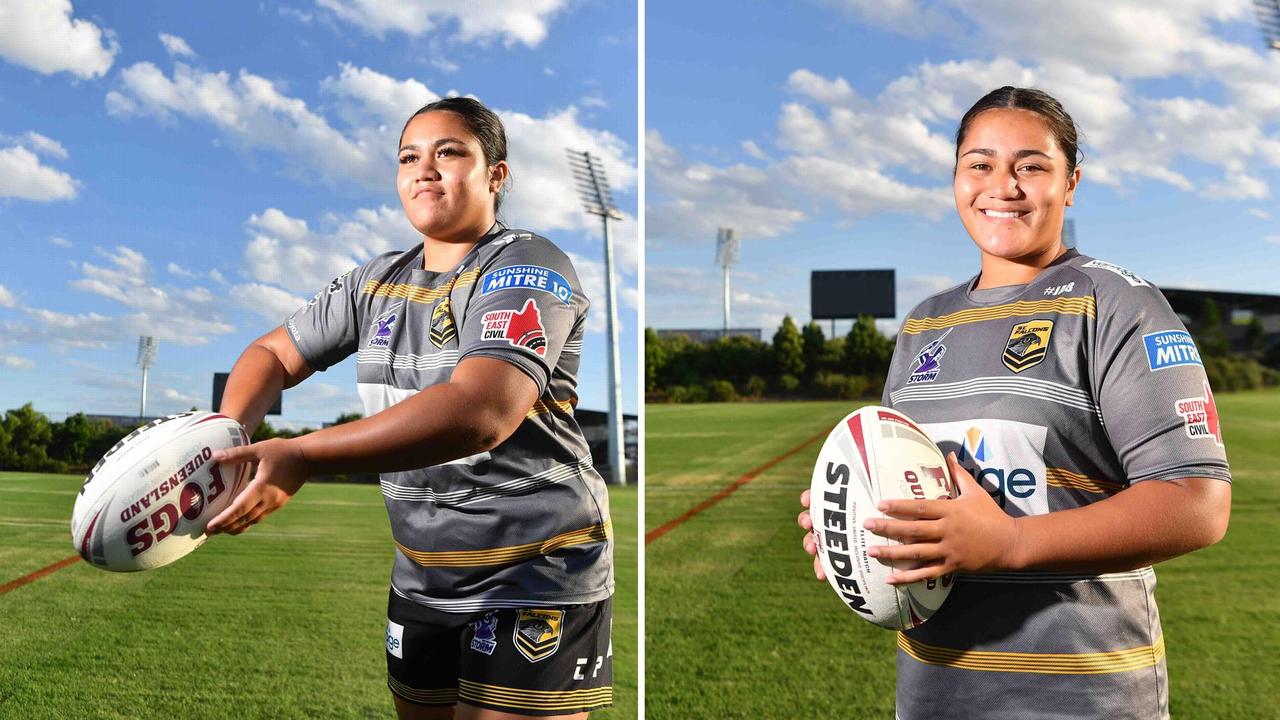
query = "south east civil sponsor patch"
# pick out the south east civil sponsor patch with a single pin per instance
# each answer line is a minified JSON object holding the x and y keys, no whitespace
{"x":527,"y":277}
{"x":522,"y":328}
{"x":1171,"y":348}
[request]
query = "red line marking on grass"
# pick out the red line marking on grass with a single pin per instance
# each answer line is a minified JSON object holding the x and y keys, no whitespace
{"x":15,"y":584}
{"x":728,"y":490}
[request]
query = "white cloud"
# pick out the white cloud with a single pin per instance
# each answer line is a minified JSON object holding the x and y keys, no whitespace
{"x":1260,"y":213}
{"x":60,"y":242}
{"x":690,"y":201}
{"x":269,"y":302}
{"x":695,"y":297}
{"x":252,"y":112}
{"x":18,"y":363}
{"x":186,"y":399}
{"x":862,"y":191}
{"x":22,"y":176}
{"x":42,"y":35}
{"x":176,"y":46}
{"x":914,"y":18}
{"x":176,"y":269}
{"x":217,"y":277}
{"x":751,"y":148}
{"x":41,"y":144}
{"x":1238,"y":186}
{"x":816,"y":87}
{"x":7,"y":298}
{"x":1273,"y":239}
{"x":512,"y":21}
{"x":285,"y":252}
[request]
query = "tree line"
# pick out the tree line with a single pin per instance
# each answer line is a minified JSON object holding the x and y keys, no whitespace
{"x":802,"y":363}
{"x":30,"y":442}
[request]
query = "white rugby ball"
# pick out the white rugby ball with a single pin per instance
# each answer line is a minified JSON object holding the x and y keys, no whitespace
{"x":148,"y":500}
{"x":875,"y":454}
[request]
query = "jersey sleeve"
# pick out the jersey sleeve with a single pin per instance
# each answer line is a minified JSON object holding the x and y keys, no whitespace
{"x":523,"y":309}
{"x":1153,"y":395}
{"x":326,"y":330}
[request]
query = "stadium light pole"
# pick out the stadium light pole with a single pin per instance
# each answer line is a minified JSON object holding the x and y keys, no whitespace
{"x":1069,"y":233}
{"x":728,"y":247}
{"x":147,"y":346}
{"x":597,"y":199}
{"x":1269,"y":19}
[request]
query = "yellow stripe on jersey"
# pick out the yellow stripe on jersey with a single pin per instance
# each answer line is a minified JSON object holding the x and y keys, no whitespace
{"x":1062,"y":306}
{"x":510,"y":554}
{"x":522,"y":699}
{"x":1063,"y":478}
{"x":541,"y":408}
{"x":1098,"y":663}
{"x":442,"y":696}
{"x":417,"y":293}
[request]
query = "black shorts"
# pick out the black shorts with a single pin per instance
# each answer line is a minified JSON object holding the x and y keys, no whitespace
{"x":535,"y":661}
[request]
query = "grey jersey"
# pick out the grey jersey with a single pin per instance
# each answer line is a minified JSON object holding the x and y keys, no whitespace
{"x":527,"y":523}
{"x":1055,"y":395}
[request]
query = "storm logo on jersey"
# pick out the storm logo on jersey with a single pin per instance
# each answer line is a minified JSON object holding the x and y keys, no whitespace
{"x":927,"y":368}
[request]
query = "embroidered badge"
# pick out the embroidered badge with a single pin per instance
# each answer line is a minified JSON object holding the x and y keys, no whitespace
{"x":521,"y":329}
{"x":442,"y":328}
{"x":537,"y":633}
{"x":484,"y":636}
{"x":1028,"y":344}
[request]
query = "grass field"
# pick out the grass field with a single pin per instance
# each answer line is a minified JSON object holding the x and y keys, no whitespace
{"x":736,"y":626}
{"x":285,"y":621}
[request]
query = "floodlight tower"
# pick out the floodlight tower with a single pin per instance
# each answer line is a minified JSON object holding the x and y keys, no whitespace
{"x":147,"y":346}
{"x":728,"y":247}
{"x":597,"y":199}
{"x":1269,"y":19}
{"x":1069,"y":233}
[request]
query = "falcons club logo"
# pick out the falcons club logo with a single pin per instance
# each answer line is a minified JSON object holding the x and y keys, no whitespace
{"x":521,"y":329}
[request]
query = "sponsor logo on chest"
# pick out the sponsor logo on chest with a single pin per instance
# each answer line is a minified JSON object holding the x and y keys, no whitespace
{"x":1005,"y":457}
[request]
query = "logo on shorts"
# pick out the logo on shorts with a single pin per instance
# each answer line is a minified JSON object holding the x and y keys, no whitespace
{"x":521,"y":329}
{"x":442,"y":328}
{"x":395,"y":639}
{"x":1200,"y":416}
{"x":537,"y":634}
{"x":1028,"y":344}
{"x":928,"y":367}
{"x":484,"y":633}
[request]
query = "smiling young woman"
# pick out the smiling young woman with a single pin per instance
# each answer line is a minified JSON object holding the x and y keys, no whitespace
{"x":467,"y":358}
{"x":1083,"y":450}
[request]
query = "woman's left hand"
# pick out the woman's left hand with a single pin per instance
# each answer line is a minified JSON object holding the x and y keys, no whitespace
{"x":968,"y":533}
{"x":282,"y":469}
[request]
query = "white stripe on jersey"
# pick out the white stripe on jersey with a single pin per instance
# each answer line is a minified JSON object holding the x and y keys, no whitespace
{"x":1051,"y":578}
{"x":573,"y":348}
{"x":1025,"y":387}
{"x":377,"y":397}
{"x":407,"y":361}
{"x":458,"y":498}
{"x":474,"y":605}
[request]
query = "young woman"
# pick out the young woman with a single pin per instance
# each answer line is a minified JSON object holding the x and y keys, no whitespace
{"x":1073,"y":393}
{"x":467,"y":356}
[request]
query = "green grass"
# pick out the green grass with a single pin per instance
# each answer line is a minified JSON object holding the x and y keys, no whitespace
{"x":736,"y":626}
{"x":285,"y":621}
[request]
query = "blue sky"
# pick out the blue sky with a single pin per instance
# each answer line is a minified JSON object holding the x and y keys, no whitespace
{"x":195,"y":171}
{"x":822,"y":130}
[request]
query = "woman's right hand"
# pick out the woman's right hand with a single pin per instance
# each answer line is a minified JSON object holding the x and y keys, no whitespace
{"x":810,"y":540}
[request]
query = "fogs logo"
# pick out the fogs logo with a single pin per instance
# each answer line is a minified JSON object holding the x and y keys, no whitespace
{"x":522,"y":329}
{"x":1006,"y":458}
{"x":927,"y":366}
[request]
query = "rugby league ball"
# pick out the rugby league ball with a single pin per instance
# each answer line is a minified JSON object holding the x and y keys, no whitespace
{"x":875,"y":454}
{"x":148,"y":500}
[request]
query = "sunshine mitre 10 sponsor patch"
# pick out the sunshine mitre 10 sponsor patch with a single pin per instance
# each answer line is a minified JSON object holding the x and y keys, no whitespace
{"x":522,"y":328}
{"x":1170,"y":348}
